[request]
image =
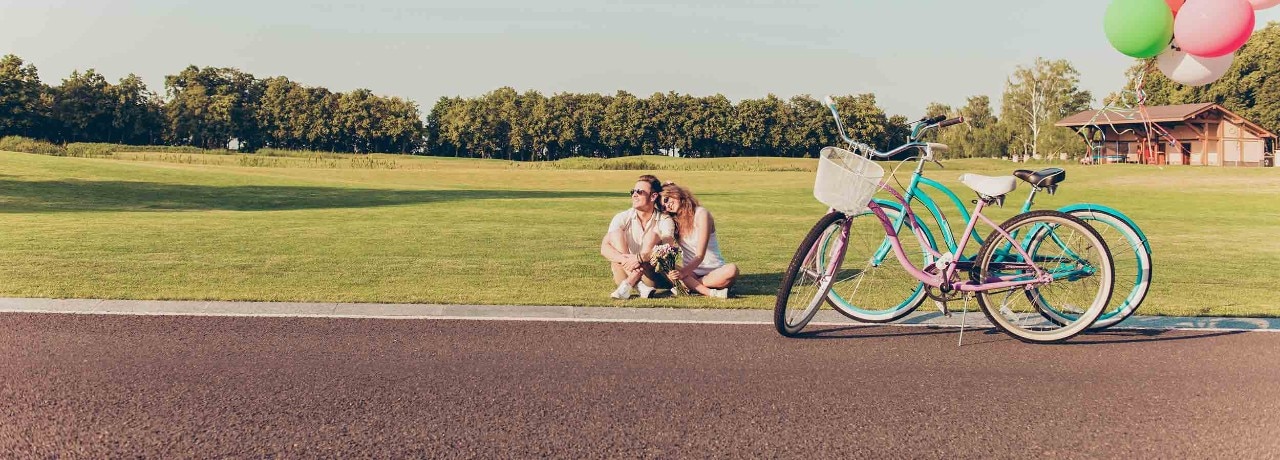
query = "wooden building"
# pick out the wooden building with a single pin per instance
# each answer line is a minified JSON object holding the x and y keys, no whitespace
{"x":1189,"y":134}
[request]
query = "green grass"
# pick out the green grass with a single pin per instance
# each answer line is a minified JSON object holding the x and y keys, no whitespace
{"x":165,"y":225}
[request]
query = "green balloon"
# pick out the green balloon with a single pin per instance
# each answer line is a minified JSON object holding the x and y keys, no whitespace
{"x":1139,"y":28}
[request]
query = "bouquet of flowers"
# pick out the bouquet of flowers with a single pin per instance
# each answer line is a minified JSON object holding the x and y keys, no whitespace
{"x":666,"y":258}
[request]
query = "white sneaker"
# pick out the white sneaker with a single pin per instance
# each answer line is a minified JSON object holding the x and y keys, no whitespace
{"x":645,"y":290}
{"x":623,"y":292}
{"x":720,"y":293}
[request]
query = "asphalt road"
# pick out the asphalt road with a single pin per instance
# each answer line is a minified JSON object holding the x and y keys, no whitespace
{"x":96,"y":386}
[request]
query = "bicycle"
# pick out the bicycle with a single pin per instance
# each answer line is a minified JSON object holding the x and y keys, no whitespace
{"x":1047,"y":257}
{"x":1132,"y":258}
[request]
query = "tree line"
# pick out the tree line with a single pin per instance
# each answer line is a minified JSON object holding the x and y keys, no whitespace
{"x":204,"y":107}
{"x":526,"y":126}
{"x":207,"y":107}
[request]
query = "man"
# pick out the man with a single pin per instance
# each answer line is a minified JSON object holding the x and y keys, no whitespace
{"x":621,"y":244}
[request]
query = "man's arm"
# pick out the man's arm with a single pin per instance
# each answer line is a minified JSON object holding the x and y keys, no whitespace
{"x":628,"y":261}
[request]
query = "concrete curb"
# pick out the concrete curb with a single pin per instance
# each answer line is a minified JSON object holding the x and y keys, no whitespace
{"x":921,"y":317}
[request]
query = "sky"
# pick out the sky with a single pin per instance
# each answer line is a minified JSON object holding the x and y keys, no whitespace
{"x":907,"y":52}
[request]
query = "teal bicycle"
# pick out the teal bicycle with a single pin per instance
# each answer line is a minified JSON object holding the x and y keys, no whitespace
{"x":877,"y":289}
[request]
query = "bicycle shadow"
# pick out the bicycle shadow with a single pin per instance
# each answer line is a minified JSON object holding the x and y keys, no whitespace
{"x":868,"y":332}
{"x":1144,"y":335}
{"x":1105,"y":337}
{"x":990,"y":335}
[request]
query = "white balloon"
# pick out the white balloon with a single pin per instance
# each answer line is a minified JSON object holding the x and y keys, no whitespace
{"x":1263,"y":4}
{"x":1193,"y":70}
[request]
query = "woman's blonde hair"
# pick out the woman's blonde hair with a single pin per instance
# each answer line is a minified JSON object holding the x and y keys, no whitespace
{"x":688,"y":206}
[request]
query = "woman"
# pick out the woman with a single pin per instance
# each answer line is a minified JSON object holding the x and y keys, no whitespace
{"x":704,"y":269}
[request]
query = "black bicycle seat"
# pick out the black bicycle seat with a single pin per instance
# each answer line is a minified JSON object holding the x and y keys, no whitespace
{"x":1047,"y":177}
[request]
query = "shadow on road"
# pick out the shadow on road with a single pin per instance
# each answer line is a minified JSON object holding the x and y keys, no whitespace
{"x":866,"y":332}
{"x":987,"y":336}
{"x":1144,"y":335}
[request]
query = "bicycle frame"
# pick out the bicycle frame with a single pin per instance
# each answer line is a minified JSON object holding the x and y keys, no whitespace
{"x":954,"y":256}
{"x":915,"y":190}
{"x":948,"y":270}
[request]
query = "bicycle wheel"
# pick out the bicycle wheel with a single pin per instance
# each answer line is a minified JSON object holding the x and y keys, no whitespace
{"x":1059,"y":245}
{"x":1131,"y":258}
{"x":806,"y":281}
{"x":871,"y":285}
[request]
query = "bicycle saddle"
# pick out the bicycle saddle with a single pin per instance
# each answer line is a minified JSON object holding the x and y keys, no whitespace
{"x":1047,"y":177}
{"x":992,"y":186}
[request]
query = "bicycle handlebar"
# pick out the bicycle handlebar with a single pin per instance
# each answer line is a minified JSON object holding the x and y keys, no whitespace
{"x":940,"y":121}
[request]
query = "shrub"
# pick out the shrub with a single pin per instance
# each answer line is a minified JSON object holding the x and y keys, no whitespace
{"x":97,"y":149}
{"x":28,"y":145}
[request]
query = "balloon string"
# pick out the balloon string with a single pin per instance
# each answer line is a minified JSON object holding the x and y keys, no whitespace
{"x":1127,"y":114}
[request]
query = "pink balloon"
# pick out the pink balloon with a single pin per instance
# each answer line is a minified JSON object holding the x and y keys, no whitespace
{"x":1212,"y":28}
{"x":1175,"y":4}
{"x":1262,"y":4}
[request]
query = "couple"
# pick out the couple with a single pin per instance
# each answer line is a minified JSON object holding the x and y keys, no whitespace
{"x":665,"y":213}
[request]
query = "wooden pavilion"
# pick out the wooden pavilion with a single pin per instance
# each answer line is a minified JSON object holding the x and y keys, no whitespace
{"x":1204,"y":134}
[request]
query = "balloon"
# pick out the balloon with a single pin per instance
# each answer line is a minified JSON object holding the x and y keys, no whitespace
{"x":1212,"y":28}
{"x":1193,"y":70}
{"x":1175,"y":4}
{"x":1263,"y":4}
{"x":1139,"y":28}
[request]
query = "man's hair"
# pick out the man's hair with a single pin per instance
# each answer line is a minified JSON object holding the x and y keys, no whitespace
{"x":655,"y":185}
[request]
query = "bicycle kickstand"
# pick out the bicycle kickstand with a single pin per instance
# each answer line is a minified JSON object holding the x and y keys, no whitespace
{"x":962,"y":321}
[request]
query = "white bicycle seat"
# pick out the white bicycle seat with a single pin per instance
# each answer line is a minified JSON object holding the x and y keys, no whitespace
{"x":989,"y":185}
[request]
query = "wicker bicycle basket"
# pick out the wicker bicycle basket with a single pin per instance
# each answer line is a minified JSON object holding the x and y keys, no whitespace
{"x":846,"y":181}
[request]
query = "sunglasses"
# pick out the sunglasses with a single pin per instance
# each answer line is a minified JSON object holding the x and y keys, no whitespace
{"x":642,"y":192}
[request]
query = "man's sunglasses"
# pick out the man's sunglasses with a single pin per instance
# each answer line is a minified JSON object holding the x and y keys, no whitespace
{"x":642,"y":192}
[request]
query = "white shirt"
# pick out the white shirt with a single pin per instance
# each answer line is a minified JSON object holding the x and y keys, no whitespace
{"x":628,"y":222}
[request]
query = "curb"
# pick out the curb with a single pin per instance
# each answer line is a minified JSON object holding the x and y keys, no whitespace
{"x":556,"y":313}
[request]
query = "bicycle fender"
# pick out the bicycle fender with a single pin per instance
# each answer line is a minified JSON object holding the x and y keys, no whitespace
{"x":1109,"y":210}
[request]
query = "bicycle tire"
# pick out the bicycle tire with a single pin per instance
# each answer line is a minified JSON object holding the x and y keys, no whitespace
{"x":873,"y":291}
{"x":813,"y":280}
{"x":1086,"y":269}
{"x":1131,"y":258}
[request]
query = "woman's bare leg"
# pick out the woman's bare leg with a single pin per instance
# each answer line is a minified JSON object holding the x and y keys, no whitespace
{"x":695,"y":284}
{"x":722,"y":277}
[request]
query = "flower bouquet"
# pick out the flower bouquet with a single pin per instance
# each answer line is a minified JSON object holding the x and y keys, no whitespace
{"x":666,"y":258}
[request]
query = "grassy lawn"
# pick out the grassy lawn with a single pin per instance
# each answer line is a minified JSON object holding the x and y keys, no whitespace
{"x":436,"y":230}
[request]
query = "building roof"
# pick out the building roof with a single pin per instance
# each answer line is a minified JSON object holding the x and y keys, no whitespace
{"x":1157,"y":114}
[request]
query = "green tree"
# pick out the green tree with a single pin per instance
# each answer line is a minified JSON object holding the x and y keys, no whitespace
{"x":83,"y":108}
{"x":762,"y":125}
{"x":22,"y":111}
{"x":865,"y":122}
{"x":1036,"y":97}
{"x":139,"y":113}
{"x":981,"y":134}
{"x":812,"y":127}
{"x":623,"y":127}
{"x":208,"y":107}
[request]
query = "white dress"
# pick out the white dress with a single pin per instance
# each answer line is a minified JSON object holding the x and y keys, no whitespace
{"x":711,"y":260}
